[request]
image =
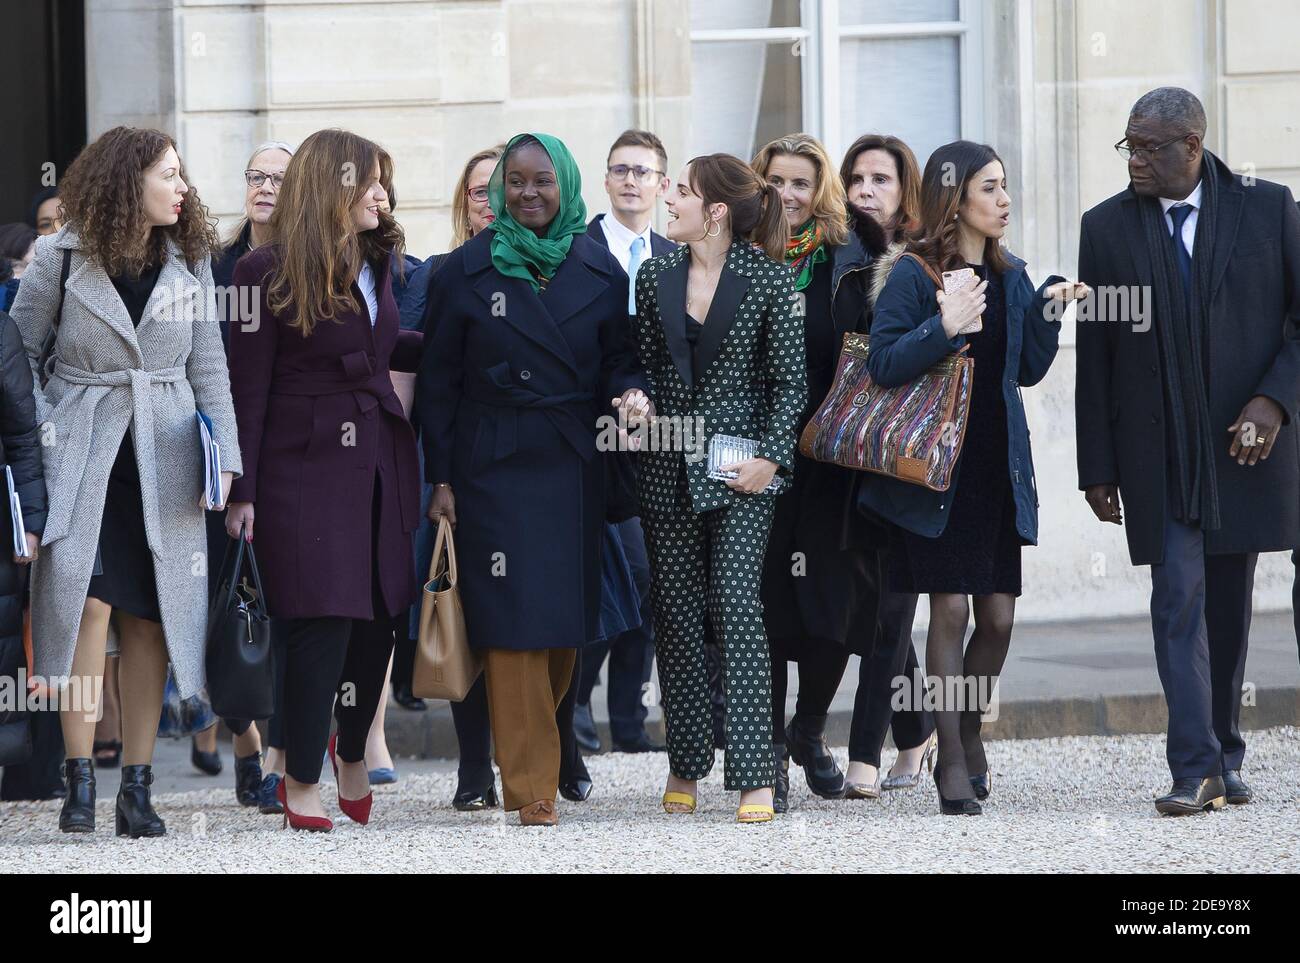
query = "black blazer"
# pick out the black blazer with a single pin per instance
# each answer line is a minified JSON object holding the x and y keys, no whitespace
{"x":1253,"y":349}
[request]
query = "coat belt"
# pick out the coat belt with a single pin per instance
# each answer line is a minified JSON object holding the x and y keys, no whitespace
{"x":63,"y":501}
{"x":566,"y":412}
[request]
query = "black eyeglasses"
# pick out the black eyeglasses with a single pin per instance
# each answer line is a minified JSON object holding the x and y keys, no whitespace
{"x":643,"y":174}
{"x":1144,"y":153}
{"x":256,"y":178}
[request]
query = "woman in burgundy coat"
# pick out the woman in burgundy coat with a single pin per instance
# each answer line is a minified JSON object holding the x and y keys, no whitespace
{"x":333,"y":479}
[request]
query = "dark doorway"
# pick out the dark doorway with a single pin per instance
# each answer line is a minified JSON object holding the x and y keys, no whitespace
{"x":43,"y":66}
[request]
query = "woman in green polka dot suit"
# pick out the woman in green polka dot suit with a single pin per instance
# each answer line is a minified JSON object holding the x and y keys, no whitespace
{"x":723,"y":351}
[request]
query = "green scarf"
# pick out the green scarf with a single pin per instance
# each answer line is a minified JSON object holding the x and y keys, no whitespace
{"x":516,"y":251}
{"x":803,"y":252}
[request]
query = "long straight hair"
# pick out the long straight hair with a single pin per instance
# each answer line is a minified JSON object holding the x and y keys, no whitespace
{"x":754,"y":204}
{"x":908,"y":216}
{"x":320,"y":253}
{"x":830,"y":208}
{"x":462,"y":231}
{"x":947,"y":178}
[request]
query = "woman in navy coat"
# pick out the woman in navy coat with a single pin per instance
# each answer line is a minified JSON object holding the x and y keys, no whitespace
{"x":532,"y":344}
{"x":965,"y":542}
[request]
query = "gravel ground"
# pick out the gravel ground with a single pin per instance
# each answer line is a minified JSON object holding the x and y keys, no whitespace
{"x":1058,"y":805}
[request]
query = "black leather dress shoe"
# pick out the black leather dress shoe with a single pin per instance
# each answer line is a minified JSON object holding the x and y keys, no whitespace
{"x":584,"y":729}
{"x":642,"y":744}
{"x":1192,"y":795}
{"x":248,"y":779}
{"x":475,"y":800}
{"x":405,"y":698}
{"x":806,"y":741}
{"x":576,"y":790}
{"x":268,"y":795}
{"x":1235,"y":789}
{"x":955,"y":807}
{"x":981,"y":784}
{"x":78,"y":813}
{"x":135,"y":813}
{"x":781,"y":791}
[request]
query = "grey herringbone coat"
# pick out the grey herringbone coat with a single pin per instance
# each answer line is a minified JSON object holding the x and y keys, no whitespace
{"x":110,"y":377}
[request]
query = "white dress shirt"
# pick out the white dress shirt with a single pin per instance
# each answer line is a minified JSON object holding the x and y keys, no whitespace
{"x":1189,"y":225}
{"x":620,"y":240}
{"x":366,"y":282}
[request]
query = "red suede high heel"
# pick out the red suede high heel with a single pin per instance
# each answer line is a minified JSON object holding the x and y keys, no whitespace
{"x":357,"y":810}
{"x":292,"y":820}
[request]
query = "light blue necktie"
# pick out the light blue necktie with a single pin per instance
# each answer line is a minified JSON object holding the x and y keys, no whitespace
{"x":634,"y":258}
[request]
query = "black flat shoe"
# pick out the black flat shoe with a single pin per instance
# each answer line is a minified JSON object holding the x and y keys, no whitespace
{"x":1192,"y":795}
{"x":643,"y":744}
{"x":474,"y":800}
{"x":955,"y":807}
{"x":981,"y":784}
{"x":135,"y":813}
{"x":268,"y":796}
{"x":248,"y":779}
{"x":576,"y":790}
{"x":1235,"y":789}
{"x":407,"y":699}
{"x":806,"y":741}
{"x":781,"y":790}
{"x":78,"y":812}
{"x":584,"y":729}
{"x":208,"y":763}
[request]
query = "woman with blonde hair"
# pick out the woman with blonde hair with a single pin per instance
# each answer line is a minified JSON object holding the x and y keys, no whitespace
{"x":820,"y":580}
{"x":332,"y":480}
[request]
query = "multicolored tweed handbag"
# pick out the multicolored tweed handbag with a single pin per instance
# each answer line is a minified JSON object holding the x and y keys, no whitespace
{"x":913,"y":432}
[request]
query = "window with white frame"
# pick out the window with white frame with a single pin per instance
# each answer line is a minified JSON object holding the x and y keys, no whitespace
{"x":836,"y":69}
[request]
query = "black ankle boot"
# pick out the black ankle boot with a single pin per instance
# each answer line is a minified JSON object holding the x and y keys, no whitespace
{"x":781,"y":791}
{"x":78,"y":813}
{"x":805,"y":737}
{"x":135,"y":813}
{"x":248,"y":778}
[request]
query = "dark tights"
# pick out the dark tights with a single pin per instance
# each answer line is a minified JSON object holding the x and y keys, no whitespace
{"x":961,"y":751}
{"x":821,"y":667}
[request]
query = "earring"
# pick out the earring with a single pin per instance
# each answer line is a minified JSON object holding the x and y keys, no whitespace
{"x":713,"y":223}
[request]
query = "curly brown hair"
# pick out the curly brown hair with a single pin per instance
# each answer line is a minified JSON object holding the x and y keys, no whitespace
{"x":102,"y":200}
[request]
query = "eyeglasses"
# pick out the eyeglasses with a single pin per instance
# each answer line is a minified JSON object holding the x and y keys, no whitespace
{"x":643,"y":174}
{"x":477,"y":194}
{"x":255,"y":178}
{"x":1144,"y":153}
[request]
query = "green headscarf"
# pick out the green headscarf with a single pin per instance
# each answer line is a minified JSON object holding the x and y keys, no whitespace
{"x":516,"y":251}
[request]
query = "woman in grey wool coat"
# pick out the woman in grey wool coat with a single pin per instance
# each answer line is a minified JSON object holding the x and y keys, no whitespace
{"x":126,"y":287}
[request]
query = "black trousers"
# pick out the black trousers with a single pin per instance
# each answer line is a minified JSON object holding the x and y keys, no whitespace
{"x":631,"y":655}
{"x":1200,"y":619}
{"x":331,"y":661}
{"x":892,"y":657}
{"x":474,"y":735}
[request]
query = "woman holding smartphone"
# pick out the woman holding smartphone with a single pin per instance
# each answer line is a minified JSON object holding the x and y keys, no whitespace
{"x":965,"y":542}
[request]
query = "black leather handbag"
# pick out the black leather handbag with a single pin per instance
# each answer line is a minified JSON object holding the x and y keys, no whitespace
{"x":239,"y":660}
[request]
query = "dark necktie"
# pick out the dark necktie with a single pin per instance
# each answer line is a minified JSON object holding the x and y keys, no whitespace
{"x":1179,"y":214}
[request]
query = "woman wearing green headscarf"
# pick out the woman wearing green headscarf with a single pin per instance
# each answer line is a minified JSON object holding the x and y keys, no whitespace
{"x":532,"y":347}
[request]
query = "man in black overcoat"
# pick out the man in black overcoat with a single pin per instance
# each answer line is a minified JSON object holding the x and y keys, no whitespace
{"x":1188,"y":386}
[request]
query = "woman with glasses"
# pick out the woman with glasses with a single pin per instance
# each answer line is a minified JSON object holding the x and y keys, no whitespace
{"x":263,"y":176}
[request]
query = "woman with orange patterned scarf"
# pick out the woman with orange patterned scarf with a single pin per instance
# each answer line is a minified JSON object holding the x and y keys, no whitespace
{"x":820,"y":581}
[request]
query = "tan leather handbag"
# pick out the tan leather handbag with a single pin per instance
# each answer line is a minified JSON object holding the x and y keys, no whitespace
{"x":445,"y":665}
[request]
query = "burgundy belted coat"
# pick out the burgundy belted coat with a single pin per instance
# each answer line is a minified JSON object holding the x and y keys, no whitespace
{"x":329,"y":452}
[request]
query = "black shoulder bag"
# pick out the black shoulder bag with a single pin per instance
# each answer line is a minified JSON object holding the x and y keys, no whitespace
{"x":239,"y":661}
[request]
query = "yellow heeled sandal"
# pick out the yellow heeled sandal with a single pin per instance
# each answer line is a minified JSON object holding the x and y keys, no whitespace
{"x":679,"y":799}
{"x":751,"y":813}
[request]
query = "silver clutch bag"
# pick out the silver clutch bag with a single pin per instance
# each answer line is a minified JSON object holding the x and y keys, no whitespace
{"x":729,"y":449}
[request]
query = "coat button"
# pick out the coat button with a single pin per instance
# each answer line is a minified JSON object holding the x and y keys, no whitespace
{"x":1155,"y":370}
{"x":525,"y":374}
{"x":1155,"y":419}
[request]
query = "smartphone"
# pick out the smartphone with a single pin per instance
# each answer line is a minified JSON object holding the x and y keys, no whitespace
{"x":959,"y":280}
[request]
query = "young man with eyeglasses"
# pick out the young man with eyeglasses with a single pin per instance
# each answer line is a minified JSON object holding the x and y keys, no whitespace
{"x":1187,"y":410}
{"x":635,"y":179}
